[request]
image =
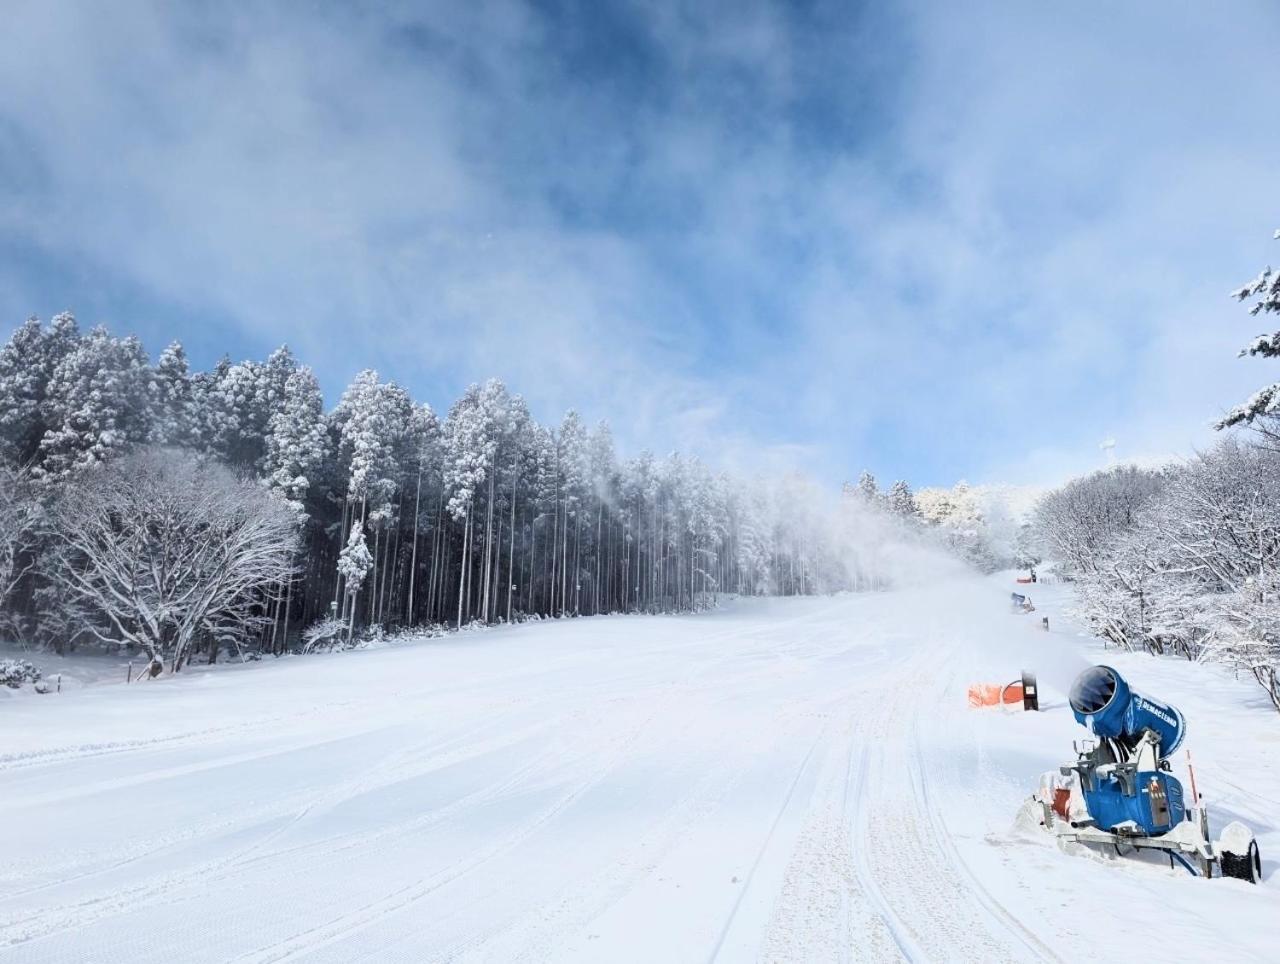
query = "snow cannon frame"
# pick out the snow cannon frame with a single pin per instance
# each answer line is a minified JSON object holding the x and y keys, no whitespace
{"x":1121,"y":793}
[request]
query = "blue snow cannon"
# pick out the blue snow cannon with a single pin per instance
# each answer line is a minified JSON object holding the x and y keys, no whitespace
{"x":1126,"y":782}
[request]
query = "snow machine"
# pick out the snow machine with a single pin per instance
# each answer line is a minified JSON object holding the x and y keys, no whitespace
{"x":1020,"y":603}
{"x":1121,"y":793}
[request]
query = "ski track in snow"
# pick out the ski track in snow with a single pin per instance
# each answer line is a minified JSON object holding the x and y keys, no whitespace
{"x":782,"y":781}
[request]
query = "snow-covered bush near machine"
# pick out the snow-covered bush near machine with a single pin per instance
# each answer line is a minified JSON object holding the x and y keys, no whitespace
{"x":15,"y":673}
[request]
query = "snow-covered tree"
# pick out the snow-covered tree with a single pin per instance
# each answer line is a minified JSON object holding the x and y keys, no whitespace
{"x":22,"y":523}
{"x":96,"y":404}
{"x":367,"y":437}
{"x":237,"y":403}
{"x":297,"y":440}
{"x":297,"y":445}
{"x":173,"y":417}
{"x":27,"y":362}
{"x":901,"y":501}
{"x":354,"y":563}
{"x":164,"y":548}
{"x":425,"y":459}
{"x":1077,"y":521}
{"x":1262,"y":409}
{"x":868,"y":488}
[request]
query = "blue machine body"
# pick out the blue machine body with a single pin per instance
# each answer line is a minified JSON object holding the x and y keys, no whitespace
{"x":1156,"y":805}
{"x":1152,"y":799}
{"x":1107,"y":705}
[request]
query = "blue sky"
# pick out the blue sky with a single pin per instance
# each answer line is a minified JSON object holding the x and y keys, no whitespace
{"x":943,"y":241}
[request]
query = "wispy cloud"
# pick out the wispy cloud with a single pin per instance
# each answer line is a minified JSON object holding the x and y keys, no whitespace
{"x":934,"y":241}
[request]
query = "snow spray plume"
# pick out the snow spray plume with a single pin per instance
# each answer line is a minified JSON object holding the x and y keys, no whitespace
{"x":854,"y":545}
{"x":883,"y":551}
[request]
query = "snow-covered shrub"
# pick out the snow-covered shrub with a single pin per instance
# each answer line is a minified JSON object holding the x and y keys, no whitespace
{"x":1076,"y":523}
{"x":15,"y":672}
{"x":1185,"y":563}
{"x":323,"y":636}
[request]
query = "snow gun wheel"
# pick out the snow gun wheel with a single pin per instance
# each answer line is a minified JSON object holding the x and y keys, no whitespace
{"x":1246,"y":866}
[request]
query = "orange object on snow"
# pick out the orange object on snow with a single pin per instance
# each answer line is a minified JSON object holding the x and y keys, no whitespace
{"x":1062,"y":802}
{"x":990,"y":694}
{"x":1024,"y":580}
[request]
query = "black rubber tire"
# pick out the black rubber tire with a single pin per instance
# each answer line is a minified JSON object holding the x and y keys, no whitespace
{"x":1243,"y":867}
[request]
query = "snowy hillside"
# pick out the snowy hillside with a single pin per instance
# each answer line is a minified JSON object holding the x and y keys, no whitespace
{"x":785,"y":780}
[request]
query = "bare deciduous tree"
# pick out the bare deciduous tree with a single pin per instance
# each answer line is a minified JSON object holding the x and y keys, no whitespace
{"x":166,"y":549}
{"x":21,"y":525}
{"x":1192,"y":568}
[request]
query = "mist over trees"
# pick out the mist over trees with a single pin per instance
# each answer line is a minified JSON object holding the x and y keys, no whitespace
{"x":185,"y":512}
{"x":975,"y":524}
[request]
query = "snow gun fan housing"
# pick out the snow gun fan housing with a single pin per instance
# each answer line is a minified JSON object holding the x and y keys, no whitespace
{"x":1130,"y":785}
{"x":1104,"y":702}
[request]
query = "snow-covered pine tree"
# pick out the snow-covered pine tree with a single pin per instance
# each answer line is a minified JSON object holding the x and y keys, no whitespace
{"x":297,"y":440}
{"x":242,"y":399}
{"x":354,"y":563}
{"x":1262,"y":409}
{"x":26,"y":363}
{"x":571,"y":458}
{"x":207,"y":411}
{"x":371,"y":420}
{"x":396,"y":418}
{"x":470,"y":445}
{"x":901,"y":500}
{"x":173,"y":416}
{"x":602,"y":466}
{"x":297,"y":445}
{"x":22,"y":382}
{"x":513,"y":470}
{"x":545,"y":502}
{"x":424,"y":442}
{"x":868,"y":488}
{"x":753,"y":547}
{"x":97,"y":404}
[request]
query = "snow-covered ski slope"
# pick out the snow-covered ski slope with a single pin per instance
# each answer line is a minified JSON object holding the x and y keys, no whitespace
{"x":785,"y":780}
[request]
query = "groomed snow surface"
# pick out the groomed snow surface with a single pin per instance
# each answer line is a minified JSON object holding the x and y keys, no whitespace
{"x":781,"y":780}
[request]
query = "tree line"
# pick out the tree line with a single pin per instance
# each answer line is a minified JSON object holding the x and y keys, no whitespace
{"x":1185,"y":559}
{"x":185,"y":512}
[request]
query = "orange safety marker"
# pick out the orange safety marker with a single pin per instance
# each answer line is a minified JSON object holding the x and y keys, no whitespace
{"x":1195,"y":796}
{"x":990,"y":694}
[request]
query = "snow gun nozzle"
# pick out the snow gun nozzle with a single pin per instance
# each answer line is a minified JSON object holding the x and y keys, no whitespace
{"x":1102,"y":701}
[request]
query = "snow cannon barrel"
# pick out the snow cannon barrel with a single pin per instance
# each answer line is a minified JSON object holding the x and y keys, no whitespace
{"x":1107,"y":705}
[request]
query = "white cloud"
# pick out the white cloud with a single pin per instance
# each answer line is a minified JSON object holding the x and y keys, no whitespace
{"x":940,"y":243}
